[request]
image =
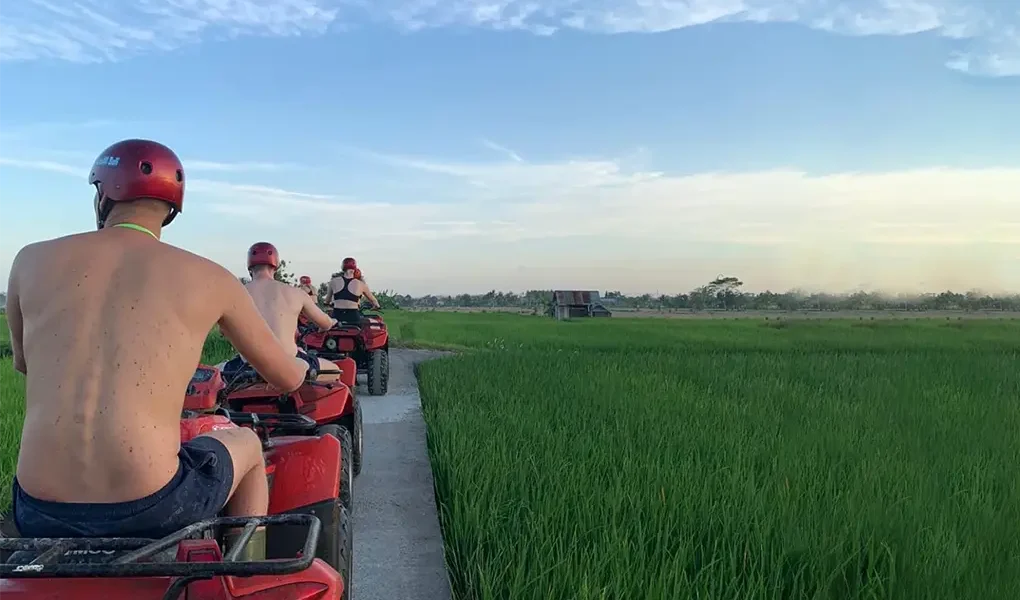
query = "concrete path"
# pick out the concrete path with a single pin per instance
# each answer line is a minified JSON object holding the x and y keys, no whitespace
{"x":398,"y":547}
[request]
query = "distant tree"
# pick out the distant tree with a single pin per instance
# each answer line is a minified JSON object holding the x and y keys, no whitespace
{"x":387,"y":300}
{"x":321,"y":297}
{"x":282,"y":274}
{"x":244,"y":280}
{"x":727,"y":292}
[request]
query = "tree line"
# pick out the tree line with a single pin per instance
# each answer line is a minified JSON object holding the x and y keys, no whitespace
{"x":722,"y":293}
{"x":726,"y":293}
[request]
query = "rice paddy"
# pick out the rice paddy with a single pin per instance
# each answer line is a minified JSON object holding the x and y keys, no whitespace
{"x":746,"y":459}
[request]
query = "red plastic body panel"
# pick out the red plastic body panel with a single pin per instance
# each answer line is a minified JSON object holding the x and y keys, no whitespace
{"x":351,"y":339}
{"x":192,"y":428}
{"x":319,"y":403}
{"x":201,"y":395}
{"x":307,"y":471}
{"x":348,"y":371}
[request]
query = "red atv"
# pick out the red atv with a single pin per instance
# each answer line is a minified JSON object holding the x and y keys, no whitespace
{"x":308,"y":533}
{"x":332,"y":406}
{"x":187,"y":565}
{"x":367,"y":342}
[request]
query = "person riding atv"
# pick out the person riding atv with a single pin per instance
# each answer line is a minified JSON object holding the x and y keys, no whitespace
{"x":305,"y":285}
{"x":281,"y":305}
{"x":107,"y":327}
{"x":346,"y":291}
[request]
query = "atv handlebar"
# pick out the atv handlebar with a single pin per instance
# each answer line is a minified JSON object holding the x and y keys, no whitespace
{"x":289,"y":421}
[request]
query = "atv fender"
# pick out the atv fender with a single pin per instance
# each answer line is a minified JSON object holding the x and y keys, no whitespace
{"x":325,"y":404}
{"x":307,"y":471}
{"x":349,"y":371}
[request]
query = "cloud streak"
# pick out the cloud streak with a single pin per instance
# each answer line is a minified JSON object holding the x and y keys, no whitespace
{"x":190,"y":166}
{"x":784,"y":227}
{"x":986,"y":32}
{"x":90,"y":31}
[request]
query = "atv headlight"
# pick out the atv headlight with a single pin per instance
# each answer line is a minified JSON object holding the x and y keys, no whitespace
{"x":331,"y":344}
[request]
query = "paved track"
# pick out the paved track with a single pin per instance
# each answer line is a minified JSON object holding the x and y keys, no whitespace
{"x":398,"y":547}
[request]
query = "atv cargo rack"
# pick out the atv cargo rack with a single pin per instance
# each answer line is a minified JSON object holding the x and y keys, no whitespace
{"x":125,"y":554}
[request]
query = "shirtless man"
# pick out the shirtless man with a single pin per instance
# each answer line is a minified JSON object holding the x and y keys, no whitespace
{"x":281,"y":305}
{"x":108,"y":327}
{"x":346,"y":291}
{"x":305,"y":285}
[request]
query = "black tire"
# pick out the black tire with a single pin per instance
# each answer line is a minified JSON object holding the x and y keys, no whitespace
{"x":346,"y":460}
{"x":347,"y":570}
{"x":354,"y":423}
{"x":378,"y":372}
{"x":336,"y":546}
{"x":345,"y":548}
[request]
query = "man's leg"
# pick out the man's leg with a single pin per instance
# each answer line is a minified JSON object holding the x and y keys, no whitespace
{"x":327,"y":365}
{"x":249,"y":491}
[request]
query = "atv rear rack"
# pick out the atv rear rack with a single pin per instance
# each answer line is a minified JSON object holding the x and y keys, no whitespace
{"x":125,"y":554}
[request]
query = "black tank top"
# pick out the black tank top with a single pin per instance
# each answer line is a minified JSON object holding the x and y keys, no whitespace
{"x":344,"y":293}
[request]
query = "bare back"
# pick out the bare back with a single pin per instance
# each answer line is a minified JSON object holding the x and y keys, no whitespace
{"x":354,"y":286}
{"x":280,"y":305}
{"x":111,"y":325}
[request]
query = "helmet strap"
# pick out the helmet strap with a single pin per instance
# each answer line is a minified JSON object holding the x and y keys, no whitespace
{"x":103,"y":208}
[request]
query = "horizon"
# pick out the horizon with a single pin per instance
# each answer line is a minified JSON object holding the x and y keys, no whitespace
{"x":537,"y":145}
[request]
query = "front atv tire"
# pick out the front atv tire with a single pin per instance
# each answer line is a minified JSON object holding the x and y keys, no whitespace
{"x":345,"y":553}
{"x":336,"y":545}
{"x":346,"y":460}
{"x":378,"y":372}
{"x":355,"y":425}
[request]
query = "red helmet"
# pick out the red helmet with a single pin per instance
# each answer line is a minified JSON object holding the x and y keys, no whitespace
{"x":349,"y":263}
{"x":305,"y":280}
{"x":136,"y":170}
{"x":263,"y":253}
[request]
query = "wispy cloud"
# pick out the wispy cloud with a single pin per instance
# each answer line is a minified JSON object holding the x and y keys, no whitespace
{"x":521,"y":200}
{"x":941,"y":226}
{"x":516,"y":178}
{"x":191,"y":166}
{"x":10,"y":132}
{"x":90,"y":31}
{"x":491,"y":145}
{"x":986,"y":32}
{"x":207,"y":165}
{"x":42,"y":165}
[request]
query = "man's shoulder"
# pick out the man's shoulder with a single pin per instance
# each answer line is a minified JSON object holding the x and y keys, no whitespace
{"x":202,"y":267}
{"x":294,"y":292}
{"x":52,"y":247}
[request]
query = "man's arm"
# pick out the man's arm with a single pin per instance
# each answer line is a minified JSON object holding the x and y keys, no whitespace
{"x":14,"y":321}
{"x":314,"y":314}
{"x":244,"y":327}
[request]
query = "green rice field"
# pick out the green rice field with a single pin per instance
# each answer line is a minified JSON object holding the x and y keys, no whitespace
{"x":743,"y":459}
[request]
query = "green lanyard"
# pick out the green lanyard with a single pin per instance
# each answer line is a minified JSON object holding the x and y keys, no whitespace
{"x":136,"y":228}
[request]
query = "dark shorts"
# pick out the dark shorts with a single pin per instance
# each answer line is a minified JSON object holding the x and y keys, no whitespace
{"x":350,"y":316}
{"x":198,"y":491}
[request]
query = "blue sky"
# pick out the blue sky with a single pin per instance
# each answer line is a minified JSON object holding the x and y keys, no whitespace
{"x":469,"y":145}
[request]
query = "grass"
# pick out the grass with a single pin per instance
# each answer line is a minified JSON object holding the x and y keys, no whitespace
{"x":822,"y":460}
{"x":726,"y":459}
